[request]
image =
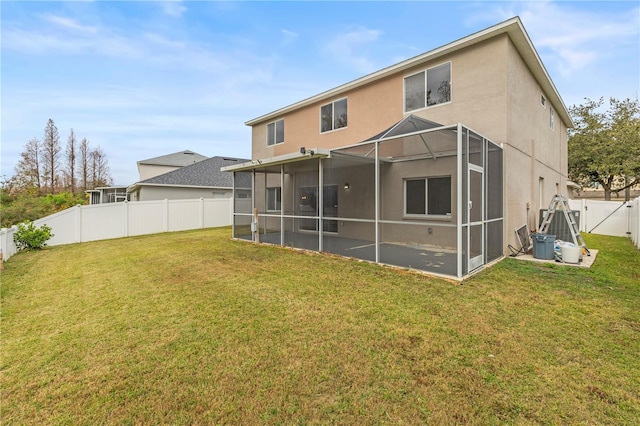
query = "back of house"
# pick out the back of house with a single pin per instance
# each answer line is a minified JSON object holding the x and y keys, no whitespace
{"x":452,"y":149}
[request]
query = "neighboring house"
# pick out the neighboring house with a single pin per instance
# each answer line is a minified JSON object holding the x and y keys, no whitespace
{"x":203,"y":179}
{"x":107,"y":194}
{"x":167,"y":163}
{"x":429,"y":164}
{"x":573,"y":190}
{"x":597,"y":193}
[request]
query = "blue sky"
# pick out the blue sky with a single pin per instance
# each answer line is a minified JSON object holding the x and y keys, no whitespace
{"x":143,"y":79}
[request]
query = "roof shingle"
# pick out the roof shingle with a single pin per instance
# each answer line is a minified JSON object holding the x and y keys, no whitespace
{"x":203,"y":173}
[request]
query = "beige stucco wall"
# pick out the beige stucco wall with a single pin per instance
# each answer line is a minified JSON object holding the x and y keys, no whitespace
{"x":535,"y":154}
{"x":479,"y":101}
{"x":147,"y":171}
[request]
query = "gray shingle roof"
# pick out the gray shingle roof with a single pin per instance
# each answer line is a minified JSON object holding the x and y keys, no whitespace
{"x":178,"y":159}
{"x":203,"y":173}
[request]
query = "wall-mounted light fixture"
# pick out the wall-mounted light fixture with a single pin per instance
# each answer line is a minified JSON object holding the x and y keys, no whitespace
{"x":346,"y":185}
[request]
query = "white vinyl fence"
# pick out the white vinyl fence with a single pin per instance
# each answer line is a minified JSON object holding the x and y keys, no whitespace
{"x":615,"y":218}
{"x":115,"y":220}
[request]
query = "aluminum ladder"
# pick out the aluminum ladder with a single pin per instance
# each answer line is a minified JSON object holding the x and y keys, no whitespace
{"x":560,"y":202}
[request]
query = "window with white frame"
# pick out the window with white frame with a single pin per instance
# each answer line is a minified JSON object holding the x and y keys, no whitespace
{"x":427,"y":196}
{"x":543,"y":101}
{"x":275,"y":132}
{"x":274,"y":199}
{"x":333,"y":116}
{"x":427,"y":88}
{"x":551,"y":117}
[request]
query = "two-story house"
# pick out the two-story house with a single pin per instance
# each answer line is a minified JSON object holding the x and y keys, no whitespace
{"x":428,"y":164}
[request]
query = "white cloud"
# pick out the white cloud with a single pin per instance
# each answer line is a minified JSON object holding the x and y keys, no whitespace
{"x":288,"y":36}
{"x":69,"y":23}
{"x":350,"y":48}
{"x":145,"y":47}
{"x":173,"y":8}
{"x":572,"y":39}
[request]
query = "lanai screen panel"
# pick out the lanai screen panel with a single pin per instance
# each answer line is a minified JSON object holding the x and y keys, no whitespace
{"x":242,"y":205}
{"x":349,"y":202}
{"x":301,"y":203}
{"x":482,"y":191}
{"x":494,"y":201}
{"x":268,"y":201}
{"x":418,"y":201}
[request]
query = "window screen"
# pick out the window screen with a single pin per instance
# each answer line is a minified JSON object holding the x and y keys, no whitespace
{"x":439,"y":195}
{"x":415,"y":196}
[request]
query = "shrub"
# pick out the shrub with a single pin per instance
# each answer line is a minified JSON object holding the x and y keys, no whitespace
{"x":28,"y":206}
{"x":30,"y":237}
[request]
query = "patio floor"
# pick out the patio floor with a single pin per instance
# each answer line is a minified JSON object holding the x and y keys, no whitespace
{"x":428,"y":259}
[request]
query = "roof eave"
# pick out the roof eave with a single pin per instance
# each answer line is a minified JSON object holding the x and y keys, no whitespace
{"x":273,"y":161}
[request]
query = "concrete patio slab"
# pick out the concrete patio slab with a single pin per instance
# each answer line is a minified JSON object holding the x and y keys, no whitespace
{"x":586,"y":262}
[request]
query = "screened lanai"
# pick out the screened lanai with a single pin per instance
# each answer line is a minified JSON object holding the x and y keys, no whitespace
{"x":418,"y":195}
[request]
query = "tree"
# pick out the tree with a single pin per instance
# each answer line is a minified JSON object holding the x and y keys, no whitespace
{"x":604,"y":146}
{"x":51,"y":156}
{"x":83,"y":152}
{"x":70,"y":157}
{"x":99,"y":166}
{"x":28,"y":169}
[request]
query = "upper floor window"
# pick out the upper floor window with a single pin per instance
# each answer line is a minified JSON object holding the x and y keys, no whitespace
{"x":333,"y":116}
{"x":275,"y":132}
{"x":551,"y":117}
{"x":543,"y":101}
{"x":427,"y":88}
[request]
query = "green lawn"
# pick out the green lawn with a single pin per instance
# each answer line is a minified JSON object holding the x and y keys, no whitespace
{"x":194,"y":328}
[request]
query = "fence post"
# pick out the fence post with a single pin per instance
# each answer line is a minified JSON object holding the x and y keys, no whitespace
{"x":79,"y":223}
{"x":3,"y":242}
{"x":166,"y":216}
{"x":636,"y":207}
{"x":201,"y":213}
{"x":126,"y":218}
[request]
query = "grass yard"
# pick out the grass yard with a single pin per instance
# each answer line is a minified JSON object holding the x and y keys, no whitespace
{"x":194,"y":328}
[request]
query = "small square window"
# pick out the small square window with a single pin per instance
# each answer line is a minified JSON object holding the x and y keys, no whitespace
{"x":333,"y":116}
{"x":428,"y":88}
{"x":543,"y":101}
{"x":275,"y":132}
{"x":274,"y":199}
